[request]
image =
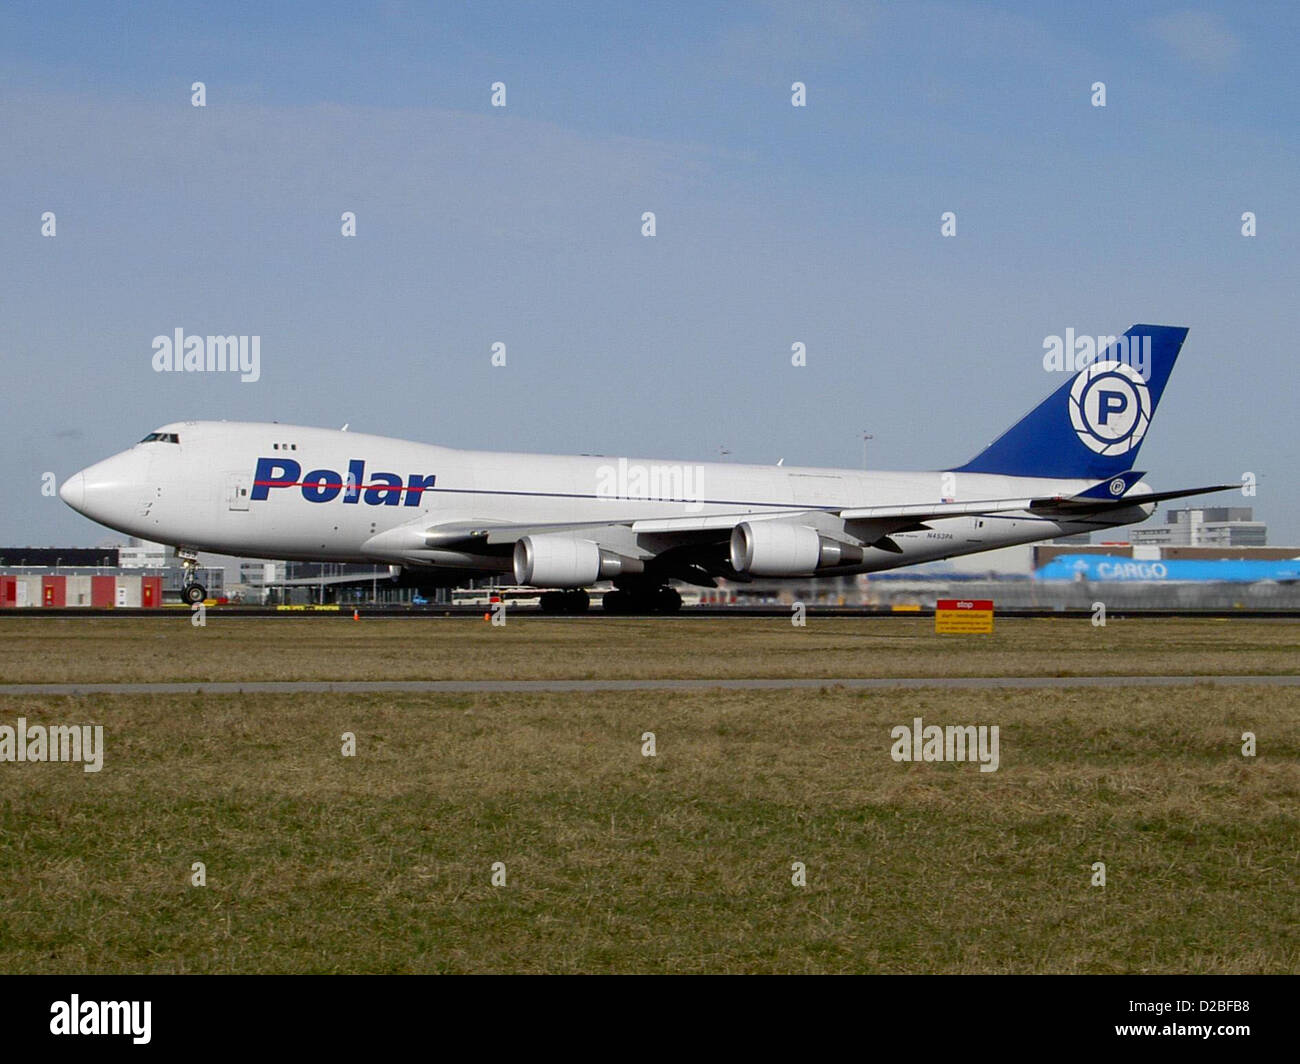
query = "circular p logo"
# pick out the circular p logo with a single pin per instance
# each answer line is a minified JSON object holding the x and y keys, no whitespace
{"x":1110,"y":407}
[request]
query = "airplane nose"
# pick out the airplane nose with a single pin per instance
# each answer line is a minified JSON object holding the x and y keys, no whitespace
{"x":113,"y":492}
{"x":73,"y":491}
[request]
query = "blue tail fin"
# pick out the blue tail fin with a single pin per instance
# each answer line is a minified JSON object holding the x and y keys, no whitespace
{"x":1094,"y":423}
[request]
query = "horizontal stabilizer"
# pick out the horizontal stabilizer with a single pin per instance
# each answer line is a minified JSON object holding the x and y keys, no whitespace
{"x":1087,"y":503}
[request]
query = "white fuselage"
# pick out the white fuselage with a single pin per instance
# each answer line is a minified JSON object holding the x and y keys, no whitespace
{"x":281,"y":491}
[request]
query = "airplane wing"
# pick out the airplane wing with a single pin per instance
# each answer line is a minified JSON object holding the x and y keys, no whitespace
{"x":698,"y":544}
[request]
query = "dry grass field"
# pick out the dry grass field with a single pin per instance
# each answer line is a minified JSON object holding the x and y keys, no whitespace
{"x":680,"y":862}
{"x":124,"y":649}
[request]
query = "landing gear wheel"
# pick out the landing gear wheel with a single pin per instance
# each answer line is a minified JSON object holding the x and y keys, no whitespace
{"x":666,"y":600}
{"x":576,"y":601}
{"x":191,"y":594}
{"x":617,"y":602}
{"x":642,"y":600}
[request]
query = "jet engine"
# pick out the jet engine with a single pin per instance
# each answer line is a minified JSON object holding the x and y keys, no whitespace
{"x":780,"y":548}
{"x":551,"y":560}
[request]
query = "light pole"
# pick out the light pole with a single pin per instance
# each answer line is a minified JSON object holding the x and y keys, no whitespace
{"x":865,"y":437}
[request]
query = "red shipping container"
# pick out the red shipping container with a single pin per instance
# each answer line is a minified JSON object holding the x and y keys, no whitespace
{"x":103,"y":591}
{"x":54,"y":591}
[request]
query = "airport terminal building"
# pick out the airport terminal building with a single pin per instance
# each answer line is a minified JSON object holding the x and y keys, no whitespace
{"x":137,"y":575}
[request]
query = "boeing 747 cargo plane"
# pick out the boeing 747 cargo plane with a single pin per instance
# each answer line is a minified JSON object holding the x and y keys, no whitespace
{"x":437,"y":515}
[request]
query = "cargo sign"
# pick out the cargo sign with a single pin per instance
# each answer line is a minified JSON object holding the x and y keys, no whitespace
{"x":966,"y":616}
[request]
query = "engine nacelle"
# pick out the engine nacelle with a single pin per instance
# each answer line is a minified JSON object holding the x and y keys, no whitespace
{"x":565,"y":561}
{"x":780,"y":548}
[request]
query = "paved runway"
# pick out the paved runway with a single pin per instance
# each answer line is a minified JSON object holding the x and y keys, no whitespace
{"x":530,"y":686}
{"x":181,"y":614}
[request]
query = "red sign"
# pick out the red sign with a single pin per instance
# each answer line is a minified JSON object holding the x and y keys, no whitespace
{"x":964,"y":604}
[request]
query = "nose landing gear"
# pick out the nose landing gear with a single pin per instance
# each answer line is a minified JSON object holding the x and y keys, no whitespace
{"x":193,"y":592}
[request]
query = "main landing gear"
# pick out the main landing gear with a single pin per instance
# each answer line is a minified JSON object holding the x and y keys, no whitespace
{"x":635,"y":598}
{"x":193,"y":592}
{"x":642,"y":600}
{"x":565,"y":601}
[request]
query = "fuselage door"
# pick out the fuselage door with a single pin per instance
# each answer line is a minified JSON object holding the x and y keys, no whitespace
{"x":238,"y":486}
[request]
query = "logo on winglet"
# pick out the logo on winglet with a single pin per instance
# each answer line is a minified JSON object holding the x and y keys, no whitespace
{"x":1110,"y":407}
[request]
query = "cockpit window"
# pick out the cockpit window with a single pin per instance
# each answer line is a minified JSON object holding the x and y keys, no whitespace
{"x":161,"y":437}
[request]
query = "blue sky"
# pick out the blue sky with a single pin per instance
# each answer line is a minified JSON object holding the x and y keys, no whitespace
{"x":522,"y":224}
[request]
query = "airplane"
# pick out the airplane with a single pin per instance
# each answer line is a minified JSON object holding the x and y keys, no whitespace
{"x":1101,"y":567}
{"x":437,"y":515}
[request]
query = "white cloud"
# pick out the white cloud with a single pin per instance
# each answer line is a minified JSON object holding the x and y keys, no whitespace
{"x":1199,"y":38}
{"x":467,"y":167}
